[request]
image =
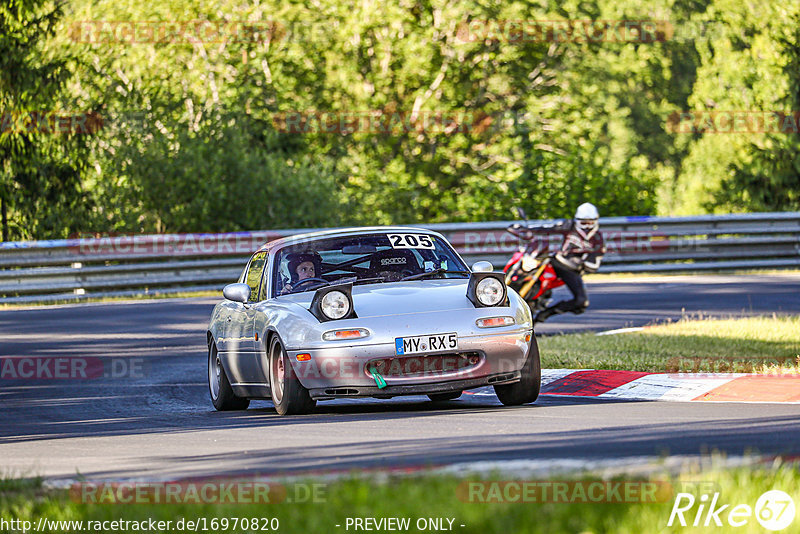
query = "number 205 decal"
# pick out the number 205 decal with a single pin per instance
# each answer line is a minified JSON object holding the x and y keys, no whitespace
{"x":411,"y":241}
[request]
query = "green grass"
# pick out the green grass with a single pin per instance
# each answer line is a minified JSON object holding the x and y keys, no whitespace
{"x":750,"y":344}
{"x":13,"y":485}
{"x":435,"y":496}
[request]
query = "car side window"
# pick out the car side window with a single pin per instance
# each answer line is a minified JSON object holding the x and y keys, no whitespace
{"x":254,"y":270}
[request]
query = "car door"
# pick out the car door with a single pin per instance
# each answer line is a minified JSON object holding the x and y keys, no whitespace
{"x":240,"y":328}
{"x":224,"y":312}
{"x":259,"y":325}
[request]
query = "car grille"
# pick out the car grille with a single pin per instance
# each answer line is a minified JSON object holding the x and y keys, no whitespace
{"x":423,"y":364}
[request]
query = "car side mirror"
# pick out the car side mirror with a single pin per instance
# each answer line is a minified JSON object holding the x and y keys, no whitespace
{"x":521,"y":213}
{"x":237,"y":292}
{"x":482,"y":267}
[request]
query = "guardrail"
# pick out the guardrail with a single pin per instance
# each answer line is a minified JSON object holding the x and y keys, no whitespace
{"x":135,"y":265}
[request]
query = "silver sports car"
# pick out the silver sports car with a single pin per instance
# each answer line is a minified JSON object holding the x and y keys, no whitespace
{"x":368,"y":312}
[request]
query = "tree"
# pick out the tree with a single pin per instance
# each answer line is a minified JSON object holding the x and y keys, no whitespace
{"x":39,"y":167}
{"x":770,"y":179}
{"x":193,"y":139}
{"x":748,"y":63}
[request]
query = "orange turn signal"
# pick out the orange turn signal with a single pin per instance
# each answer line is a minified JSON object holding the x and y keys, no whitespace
{"x":303,"y":357}
{"x":494,"y":322}
{"x":356,"y":333}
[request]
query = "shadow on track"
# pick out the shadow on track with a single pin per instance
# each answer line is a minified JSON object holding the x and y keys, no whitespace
{"x":769,"y":435}
{"x":45,"y":411}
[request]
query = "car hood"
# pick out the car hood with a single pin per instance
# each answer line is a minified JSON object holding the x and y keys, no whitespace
{"x":415,"y":296}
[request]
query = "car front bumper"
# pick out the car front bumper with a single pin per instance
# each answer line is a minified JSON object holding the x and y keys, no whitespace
{"x":343,"y":370}
{"x":414,"y":389}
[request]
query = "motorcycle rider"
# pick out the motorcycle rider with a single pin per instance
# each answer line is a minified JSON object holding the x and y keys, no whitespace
{"x":581,"y":251}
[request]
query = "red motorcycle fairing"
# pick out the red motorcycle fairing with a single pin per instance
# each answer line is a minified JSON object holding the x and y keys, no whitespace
{"x":548,"y":280}
{"x":514,"y":259}
{"x":522,"y":281}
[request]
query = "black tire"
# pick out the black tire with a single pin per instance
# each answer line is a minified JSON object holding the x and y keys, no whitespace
{"x":288,"y":394}
{"x":527,"y":389}
{"x":441,"y":397}
{"x":219,"y":388}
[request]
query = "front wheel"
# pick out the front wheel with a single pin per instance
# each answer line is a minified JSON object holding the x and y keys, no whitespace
{"x":219,"y":387}
{"x":288,"y":394}
{"x":527,"y":389}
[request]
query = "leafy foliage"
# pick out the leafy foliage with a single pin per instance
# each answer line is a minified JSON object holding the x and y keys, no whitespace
{"x":40,"y":173}
{"x":192,"y":138}
{"x":770,"y":179}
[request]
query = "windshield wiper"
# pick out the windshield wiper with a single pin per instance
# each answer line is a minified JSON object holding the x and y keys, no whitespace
{"x":431,"y":273}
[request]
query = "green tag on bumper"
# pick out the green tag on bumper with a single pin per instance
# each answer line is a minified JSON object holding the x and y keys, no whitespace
{"x":378,"y":378}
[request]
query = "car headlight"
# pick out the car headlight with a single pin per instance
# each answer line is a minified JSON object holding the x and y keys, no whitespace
{"x":489,"y":291}
{"x":335,"y":305}
{"x":333,"y":302}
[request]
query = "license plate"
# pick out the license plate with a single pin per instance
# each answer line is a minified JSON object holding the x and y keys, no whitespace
{"x":428,"y":343}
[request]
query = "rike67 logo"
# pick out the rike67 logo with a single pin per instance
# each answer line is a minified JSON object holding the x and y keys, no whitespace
{"x":774,"y":510}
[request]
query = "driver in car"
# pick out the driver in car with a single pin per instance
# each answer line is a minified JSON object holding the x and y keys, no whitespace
{"x":302,"y":267}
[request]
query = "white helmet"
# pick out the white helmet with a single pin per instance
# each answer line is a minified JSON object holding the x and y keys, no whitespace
{"x":586,"y":220}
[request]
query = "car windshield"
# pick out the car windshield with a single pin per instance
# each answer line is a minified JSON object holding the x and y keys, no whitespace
{"x":365,"y":258}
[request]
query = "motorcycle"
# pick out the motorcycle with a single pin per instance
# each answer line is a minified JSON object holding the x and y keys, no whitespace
{"x":529,"y":271}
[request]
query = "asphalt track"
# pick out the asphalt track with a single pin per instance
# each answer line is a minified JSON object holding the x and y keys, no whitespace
{"x":159,"y":424}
